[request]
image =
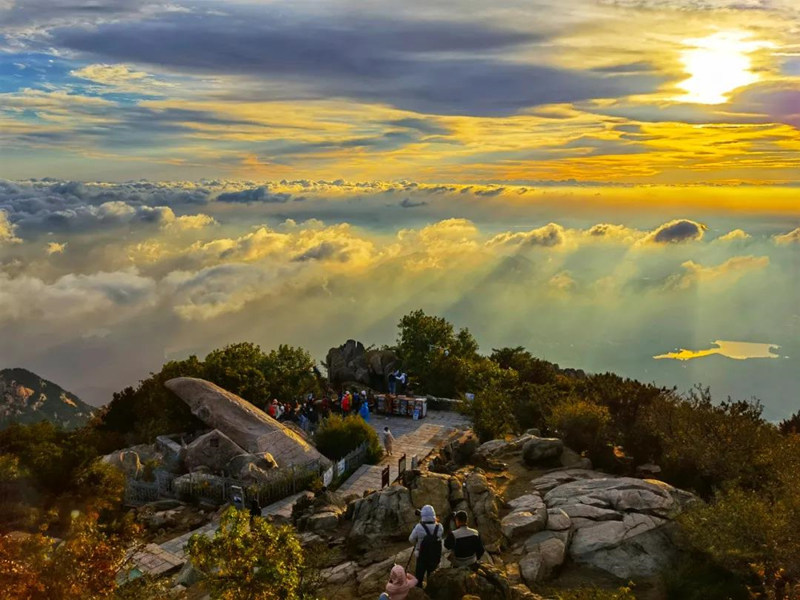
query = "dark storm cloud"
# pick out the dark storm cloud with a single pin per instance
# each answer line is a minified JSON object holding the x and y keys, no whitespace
{"x":409,"y":203}
{"x":255,"y":195}
{"x":435,"y":67}
{"x":681,"y":230}
{"x":40,"y":206}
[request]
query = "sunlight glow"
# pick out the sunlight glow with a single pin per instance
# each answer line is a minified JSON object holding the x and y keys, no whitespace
{"x":717,"y":65}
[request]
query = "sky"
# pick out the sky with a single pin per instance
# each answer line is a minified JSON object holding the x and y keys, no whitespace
{"x":613,"y":184}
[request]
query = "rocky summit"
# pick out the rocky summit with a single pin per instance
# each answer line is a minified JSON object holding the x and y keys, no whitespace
{"x":27,"y":398}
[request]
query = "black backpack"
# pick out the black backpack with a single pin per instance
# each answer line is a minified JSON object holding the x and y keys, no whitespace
{"x":430,"y":550}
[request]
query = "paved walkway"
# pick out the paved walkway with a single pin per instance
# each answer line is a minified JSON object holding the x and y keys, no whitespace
{"x":414,"y":438}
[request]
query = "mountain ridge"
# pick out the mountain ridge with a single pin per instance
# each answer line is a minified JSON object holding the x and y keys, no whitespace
{"x":26,"y":397}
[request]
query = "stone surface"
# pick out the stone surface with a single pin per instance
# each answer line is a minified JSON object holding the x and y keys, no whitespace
{"x":621,"y":524}
{"x":323,"y":521}
{"x":249,"y":427}
{"x":339,"y":574}
{"x":484,"y":506}
{"x":213,"y":450}
{"x":558,"y":520}
{"x":486,"y":582}
{"x":537,"y":450}
{"x":528,"y":515}
{"x":547,"y":482}
{"x":433,"y":489}
{"x":351,"y":362}
{"x":384,"y":515}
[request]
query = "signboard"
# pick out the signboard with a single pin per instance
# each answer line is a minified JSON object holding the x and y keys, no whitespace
{"x":401,"y":466}
{"x":416,"y":414}
{"x":327,"y":477}
{"x":341,"y":467}
{"x":385,"y":477}
{"x":414,"y":462}
{"x":469,"y":396}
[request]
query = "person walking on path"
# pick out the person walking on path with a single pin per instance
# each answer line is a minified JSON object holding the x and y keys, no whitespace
{"x":388,"y":440}
{"x":427,"y":539}
{"x":465,"y":543}
{"x":400,"y":583}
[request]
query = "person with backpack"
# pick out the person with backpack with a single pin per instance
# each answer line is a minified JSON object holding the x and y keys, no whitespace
{"x":465,"y":543}
{"x":400,"y":583}
{"x":427,"y":539}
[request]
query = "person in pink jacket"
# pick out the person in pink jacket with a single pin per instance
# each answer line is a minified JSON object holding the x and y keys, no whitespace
{"x":400,"y":583}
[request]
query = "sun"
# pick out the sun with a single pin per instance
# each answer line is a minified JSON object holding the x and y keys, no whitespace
{"x":717,"y":65}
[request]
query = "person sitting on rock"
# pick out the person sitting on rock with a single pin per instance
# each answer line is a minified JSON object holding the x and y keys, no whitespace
{"x":400,"y":583}
{"x":427,"y":539}
{"x":465,"y":543}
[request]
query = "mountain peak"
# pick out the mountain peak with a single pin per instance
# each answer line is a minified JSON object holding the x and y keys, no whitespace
{"x":25,"y":397}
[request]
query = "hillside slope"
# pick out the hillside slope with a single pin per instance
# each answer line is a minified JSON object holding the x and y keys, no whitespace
{"x":27,"y":398}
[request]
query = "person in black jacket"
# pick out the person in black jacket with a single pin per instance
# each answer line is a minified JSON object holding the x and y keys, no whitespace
{"x":465,"y":543}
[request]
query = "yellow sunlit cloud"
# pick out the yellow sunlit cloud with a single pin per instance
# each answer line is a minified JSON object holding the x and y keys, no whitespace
{"x":717,"y":65}
{"x":734,"y":350}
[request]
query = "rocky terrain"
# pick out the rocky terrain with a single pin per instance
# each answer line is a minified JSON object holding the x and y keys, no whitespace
{"x":27,"y":398}
{"x":544,"y":515}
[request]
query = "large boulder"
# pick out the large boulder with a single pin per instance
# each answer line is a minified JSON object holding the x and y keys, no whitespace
{"x":433,"y":489}
{"x":213,"y":450}
{"x":538,"y":450}
{"x":351,"y":362}
{"x":528,"y":515}
{"x":383,"y":516}
{"x":551,"y":480}
{"x":241,"y":463}
{"x":621,"y":525}
{"x":485,"y":506}
{"x":249,"y":427}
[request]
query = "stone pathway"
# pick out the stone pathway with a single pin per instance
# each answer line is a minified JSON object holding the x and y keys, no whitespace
{"x":412,"y":437}
{"x":418,"y":438}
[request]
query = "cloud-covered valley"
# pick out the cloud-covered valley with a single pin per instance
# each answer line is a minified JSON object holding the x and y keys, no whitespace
{"x":100,"y":283}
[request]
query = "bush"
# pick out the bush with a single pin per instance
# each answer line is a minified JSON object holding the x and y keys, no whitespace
{"x":696,"y":577}
{"x":337,"y":436}
{"x":244,"y":560}
{"x":581,"y":424}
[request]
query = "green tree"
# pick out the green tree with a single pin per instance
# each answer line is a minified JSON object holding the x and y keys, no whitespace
{"x":245,"y":561}
{"x":529,"y":369}
{"x":581,"y":424}
{"x":432,"y":352}
{"x":337,"y":436}
{"x":83,"y":565}
{"x":239,"y":368}
{"x":289,"y":373}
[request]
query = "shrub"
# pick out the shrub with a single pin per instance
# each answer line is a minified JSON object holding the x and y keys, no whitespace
{"x":582,"y":424}
{"x":244,"y":560}
{"x":337,"y":436}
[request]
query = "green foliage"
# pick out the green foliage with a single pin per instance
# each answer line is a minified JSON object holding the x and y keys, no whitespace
{"x":141,"y":414}
{"x":337,"y":436}
{"x":434,"y":354}
{"x":696,"y":577}
{"x":529,"y":369}
{"x":257,"y":561}
{"x":491,"y":414}
{"x":751,"y":533}
{"x":580,"y":423}
{"x":84,"y":565}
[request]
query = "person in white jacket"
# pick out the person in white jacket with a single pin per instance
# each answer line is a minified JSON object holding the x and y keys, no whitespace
{"x":428,"y":525}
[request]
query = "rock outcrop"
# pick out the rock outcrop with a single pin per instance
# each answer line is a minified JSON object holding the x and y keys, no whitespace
{"x":352,"y":362}
{"x":213,"y":450}
{"x":247,"y":426}
{"x":382,"y":516}
{"x":620,"y":524}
